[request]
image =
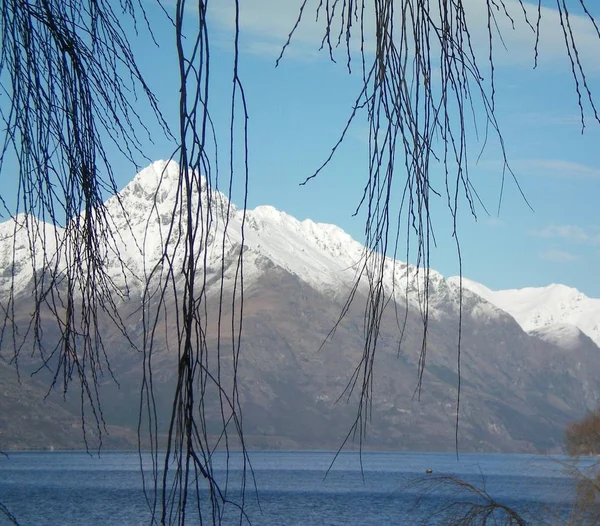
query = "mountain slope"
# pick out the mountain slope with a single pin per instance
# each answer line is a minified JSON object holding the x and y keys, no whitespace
{"x":538,"y":307}
{"x":518,"y":389}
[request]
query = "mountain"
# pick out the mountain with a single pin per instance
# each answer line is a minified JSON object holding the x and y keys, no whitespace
{"x":535,"y":308}
{"x":518,"y":388}
{"x":30,"y":420}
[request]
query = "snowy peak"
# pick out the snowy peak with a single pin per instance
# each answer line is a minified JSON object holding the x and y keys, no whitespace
{"x":19,"y":236}
{"x":158,"y":182}
{"x":160,"y":185}
{"x":148,"y":219}
{"x":473,"y":286}
{"x":331,"y":261}
{"x":321,"y":254}
{"x":564,"y":335}
{"x":541,"y":307}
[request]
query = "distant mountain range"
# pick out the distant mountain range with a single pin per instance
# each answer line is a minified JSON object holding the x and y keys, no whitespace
{"x":537,"y":308}
{"x":530,"y":360}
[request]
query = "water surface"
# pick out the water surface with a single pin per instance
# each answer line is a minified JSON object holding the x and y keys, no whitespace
{"x":52,"y":488}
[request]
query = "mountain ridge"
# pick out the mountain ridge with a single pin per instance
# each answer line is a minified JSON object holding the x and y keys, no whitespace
{"x":537,"y":307}
{"x":518,"y":388}
{"x":321,"y":254}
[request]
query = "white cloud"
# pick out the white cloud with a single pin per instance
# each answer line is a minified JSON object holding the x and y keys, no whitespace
{"x":520,"y":41}
{"x":569,"y":232}
{"x":554,"y":168}
{"x":548,"y":119}
{"x":266,"y":24}
{"x":495,"y":222}
{"x":559,"y":256}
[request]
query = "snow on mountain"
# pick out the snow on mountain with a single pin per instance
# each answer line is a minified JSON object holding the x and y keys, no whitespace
{"x":149,"y":220}
{"x":564,"y":335}
{"x":17,"y":236}
{"x":535,"y":308}
{"x":322,"y":255}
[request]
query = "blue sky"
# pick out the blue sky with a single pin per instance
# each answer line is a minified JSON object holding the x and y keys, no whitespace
{"x":297,"y":111}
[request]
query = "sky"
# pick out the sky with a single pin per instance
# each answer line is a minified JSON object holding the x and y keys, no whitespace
{"x":298,"y":110}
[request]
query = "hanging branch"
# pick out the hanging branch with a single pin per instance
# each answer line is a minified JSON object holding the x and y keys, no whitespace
{"x":72,"y":86}
{"x":468,"y":503}
{"x":423,"y":85}
{"x":176,"y":293}
{"x":72,"y":83}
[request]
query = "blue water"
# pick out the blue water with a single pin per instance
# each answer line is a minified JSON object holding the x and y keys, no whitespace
{"x":53,"y":488}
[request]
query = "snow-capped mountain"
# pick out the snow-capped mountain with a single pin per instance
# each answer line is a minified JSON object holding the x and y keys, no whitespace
{"x":148,"y":221}
{"x":18,"y":237}
{"x":141,"y":216}
{"x":518,"y":388}
{"x":537,"y":308}
{"x":322,"y":255}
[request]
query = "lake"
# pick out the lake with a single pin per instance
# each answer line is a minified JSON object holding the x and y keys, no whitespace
{"x":73,"y":488}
